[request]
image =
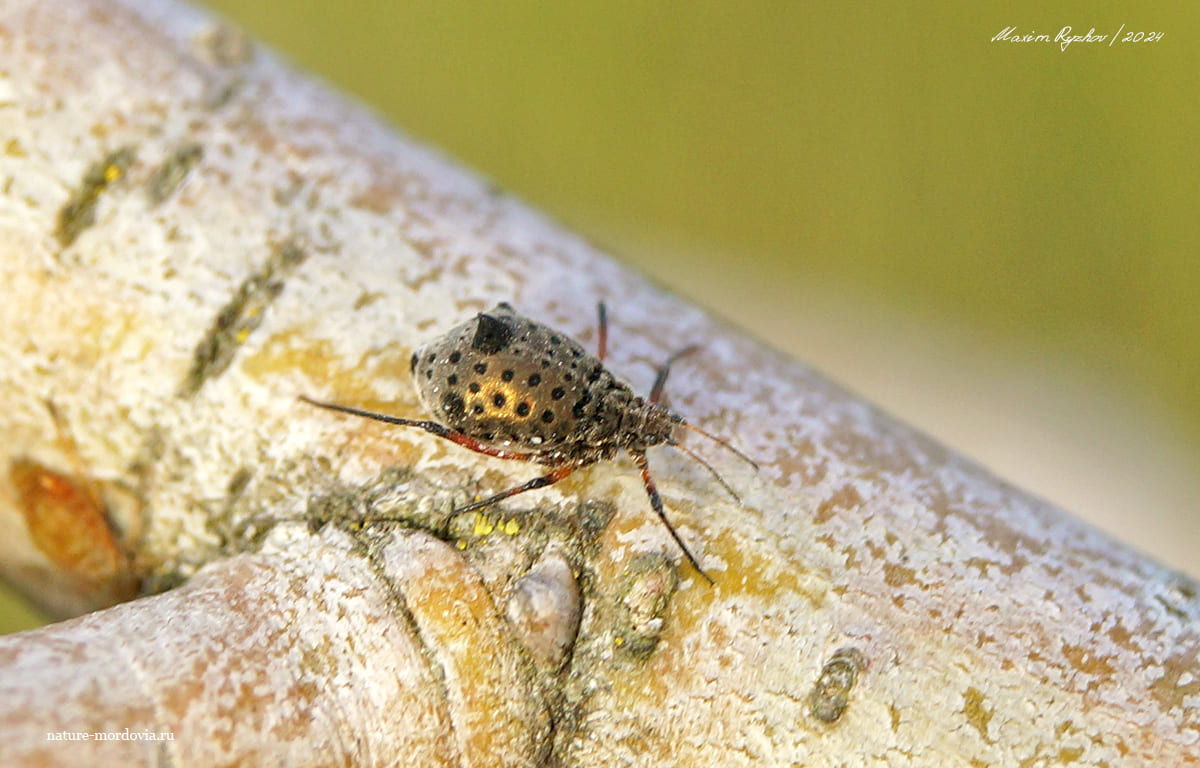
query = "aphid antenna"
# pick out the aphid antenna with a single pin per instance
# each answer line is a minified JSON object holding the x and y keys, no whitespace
{"x":727,"y":446}
{"x":716,"y":476}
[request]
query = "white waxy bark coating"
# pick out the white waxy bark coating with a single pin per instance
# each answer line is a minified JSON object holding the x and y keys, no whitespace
{"x":309,"y":250}
{"x":225,"y":677}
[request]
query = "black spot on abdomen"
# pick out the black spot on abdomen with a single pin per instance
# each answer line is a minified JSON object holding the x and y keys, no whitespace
{"x":453,"y":407}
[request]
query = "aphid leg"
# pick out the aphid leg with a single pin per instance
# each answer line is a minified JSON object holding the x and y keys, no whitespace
{"x":538,"y":482}
{"x":602,"y":332}
{"x":431,"y":427}
{"x":664,"y":370}
{"x":656,"y":502}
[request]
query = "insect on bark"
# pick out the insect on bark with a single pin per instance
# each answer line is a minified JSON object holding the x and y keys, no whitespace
{"x":506,"y":386}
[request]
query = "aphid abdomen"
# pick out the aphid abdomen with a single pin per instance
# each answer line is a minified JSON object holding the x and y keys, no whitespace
{"x":506,"y":380}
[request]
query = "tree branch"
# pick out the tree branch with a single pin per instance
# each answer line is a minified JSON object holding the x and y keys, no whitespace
{"x":194,"y":236}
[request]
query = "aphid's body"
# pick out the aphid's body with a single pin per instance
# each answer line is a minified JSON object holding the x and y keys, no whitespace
{"x":513,"y":384}
{"x":509,"y":387}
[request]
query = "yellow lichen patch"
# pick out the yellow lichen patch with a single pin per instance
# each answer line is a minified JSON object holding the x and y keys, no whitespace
{"x":1068,"y":755}
{"x":483,"y":524}
{"x":976,"y":713}
{"x":751,"y":570}
{"x":288,"y":353}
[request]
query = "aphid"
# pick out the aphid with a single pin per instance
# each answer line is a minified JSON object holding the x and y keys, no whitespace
{"x":507,"y":386}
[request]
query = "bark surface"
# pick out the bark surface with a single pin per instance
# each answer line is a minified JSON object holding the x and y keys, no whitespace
{"x":193,"y":236}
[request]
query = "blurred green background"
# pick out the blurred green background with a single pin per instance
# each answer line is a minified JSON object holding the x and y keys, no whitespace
{"x":997,"y":242}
